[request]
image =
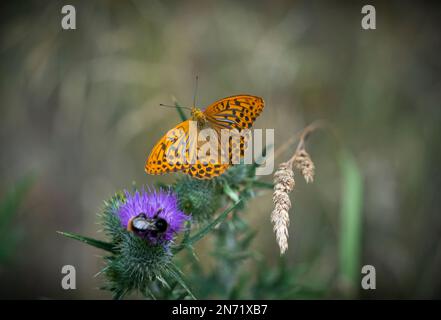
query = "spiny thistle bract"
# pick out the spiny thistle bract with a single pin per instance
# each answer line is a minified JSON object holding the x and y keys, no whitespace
{"x":136,"y":266}
{"x":239,"y":174}
{"x":200,"y":198}
{"x":140,"y":259}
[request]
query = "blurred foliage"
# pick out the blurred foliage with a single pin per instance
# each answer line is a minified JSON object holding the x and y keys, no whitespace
{"x":10,"y":204}
{"x":80,"y":108}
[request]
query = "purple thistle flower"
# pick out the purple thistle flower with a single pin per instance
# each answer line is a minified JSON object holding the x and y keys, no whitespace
{"x":152,"y":215}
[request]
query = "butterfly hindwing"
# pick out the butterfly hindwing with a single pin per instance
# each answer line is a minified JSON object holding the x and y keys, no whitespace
{"x":202,"y":170}
{"x":208,"y":163}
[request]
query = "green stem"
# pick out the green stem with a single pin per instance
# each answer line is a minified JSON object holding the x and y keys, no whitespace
{"x":202,"y":233}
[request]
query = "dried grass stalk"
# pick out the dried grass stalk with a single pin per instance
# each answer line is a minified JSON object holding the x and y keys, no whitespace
{"x":284,"y":184}
{"x":303,"y":162}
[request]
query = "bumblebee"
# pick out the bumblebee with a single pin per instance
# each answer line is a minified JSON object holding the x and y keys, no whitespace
{"x":143,"y":225}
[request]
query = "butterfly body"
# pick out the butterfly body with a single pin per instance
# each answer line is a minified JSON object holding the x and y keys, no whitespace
{"x":198,"y":116}
{"x":178,"y":150}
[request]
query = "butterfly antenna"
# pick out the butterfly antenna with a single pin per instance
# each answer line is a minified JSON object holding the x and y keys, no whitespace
{"x":175,"y":106}
{"x":195,"y":91}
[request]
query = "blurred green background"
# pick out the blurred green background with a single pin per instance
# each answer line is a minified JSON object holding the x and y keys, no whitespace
{"x":79,"y":114}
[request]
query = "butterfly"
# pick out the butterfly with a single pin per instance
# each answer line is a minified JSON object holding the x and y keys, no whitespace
{"x":178,"y":145}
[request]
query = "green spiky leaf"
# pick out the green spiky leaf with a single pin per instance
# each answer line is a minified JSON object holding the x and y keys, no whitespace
{"x":229,"y":192}
{"x":90,"y":241}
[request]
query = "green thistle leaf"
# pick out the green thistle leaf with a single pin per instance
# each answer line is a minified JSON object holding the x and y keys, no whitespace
{"x":230,"y":193}
{"x":90,"y":241}
{"x":174,"y":272}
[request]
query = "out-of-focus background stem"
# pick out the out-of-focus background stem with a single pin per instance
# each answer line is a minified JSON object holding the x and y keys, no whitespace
{"x":350,"y":223}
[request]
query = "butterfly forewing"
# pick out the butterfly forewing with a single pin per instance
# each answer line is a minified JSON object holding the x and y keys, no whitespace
{"x":170,"y":152}
{"x":236,"y":112}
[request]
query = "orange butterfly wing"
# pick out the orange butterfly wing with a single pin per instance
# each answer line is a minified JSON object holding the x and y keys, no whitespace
{"x":203,"y":170}
{"x":177,"y":151}
{"x":166,"y":155}
{"x":235,"y":112}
